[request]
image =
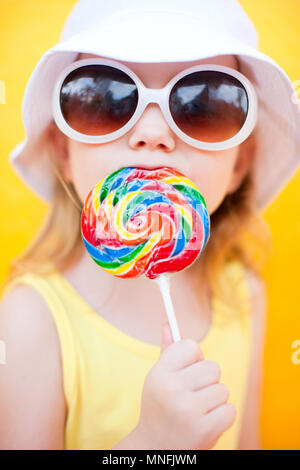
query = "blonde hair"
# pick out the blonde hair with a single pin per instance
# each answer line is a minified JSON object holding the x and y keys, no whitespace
{"x":238,"y":232}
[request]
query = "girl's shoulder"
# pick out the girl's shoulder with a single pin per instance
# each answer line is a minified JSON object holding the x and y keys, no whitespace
{"x":25,"y":315}
{"x":33,"y":367}
{"x":20,"y":297}
{"x":29,"y":304}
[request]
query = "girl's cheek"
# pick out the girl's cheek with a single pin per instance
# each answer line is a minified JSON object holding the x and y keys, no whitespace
{"x":212,"y":177}
{"x":86,"y":171}
{"x":213,"y":191}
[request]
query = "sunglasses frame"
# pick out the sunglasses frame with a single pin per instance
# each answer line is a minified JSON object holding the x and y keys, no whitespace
{"x":161,"y":97}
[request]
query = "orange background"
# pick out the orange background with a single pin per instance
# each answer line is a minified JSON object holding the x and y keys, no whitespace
{"x":27,"y":29}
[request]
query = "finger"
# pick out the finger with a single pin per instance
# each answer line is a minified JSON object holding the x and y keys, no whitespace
{"x":181,"y":354}
{"x":208,"y":398}
{"x":218,"y":421}
{"x":167,"y":337}
{"x":214,"y":442}
{"x":200,"y":374}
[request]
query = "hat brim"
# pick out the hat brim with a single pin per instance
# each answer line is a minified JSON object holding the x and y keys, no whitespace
{"x":278,"y":151}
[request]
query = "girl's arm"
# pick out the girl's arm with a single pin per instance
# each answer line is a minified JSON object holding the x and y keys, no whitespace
{"x":32,"y":407}
{"x":250,"y":432}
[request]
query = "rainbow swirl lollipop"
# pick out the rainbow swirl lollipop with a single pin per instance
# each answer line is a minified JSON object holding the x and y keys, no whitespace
{"x":150,"y":222}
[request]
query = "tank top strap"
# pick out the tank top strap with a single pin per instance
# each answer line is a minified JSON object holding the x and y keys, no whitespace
{"x":46,"y":288}
{"x":234,"y":302}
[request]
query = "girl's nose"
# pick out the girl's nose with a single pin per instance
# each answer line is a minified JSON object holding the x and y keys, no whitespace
{"x":152,"y":131}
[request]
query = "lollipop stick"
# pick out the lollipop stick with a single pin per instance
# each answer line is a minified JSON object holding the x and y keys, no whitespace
{"x":164,"y":286}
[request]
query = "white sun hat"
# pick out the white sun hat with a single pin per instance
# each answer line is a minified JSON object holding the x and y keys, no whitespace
{"x":166,"y":31}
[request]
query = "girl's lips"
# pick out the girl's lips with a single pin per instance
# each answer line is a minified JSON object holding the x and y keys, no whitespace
{"x":151,"y":167}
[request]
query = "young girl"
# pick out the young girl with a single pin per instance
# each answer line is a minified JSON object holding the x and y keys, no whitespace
{"x":90,"y":359}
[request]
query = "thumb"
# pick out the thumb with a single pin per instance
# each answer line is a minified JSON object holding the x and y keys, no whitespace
{"x":167,"y":337}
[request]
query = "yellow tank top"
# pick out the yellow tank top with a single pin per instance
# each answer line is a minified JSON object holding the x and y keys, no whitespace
{"x":104,"y":368}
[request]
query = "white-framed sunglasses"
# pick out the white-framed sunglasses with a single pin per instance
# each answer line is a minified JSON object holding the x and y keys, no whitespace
{"x":209,"y":106}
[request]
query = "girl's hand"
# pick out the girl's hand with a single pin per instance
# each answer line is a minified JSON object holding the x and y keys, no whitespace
{"x":183,"y":404}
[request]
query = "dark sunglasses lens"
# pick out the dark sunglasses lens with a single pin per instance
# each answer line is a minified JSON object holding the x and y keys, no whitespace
{"x":209,"y":106}
{"x":98,"y":99}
